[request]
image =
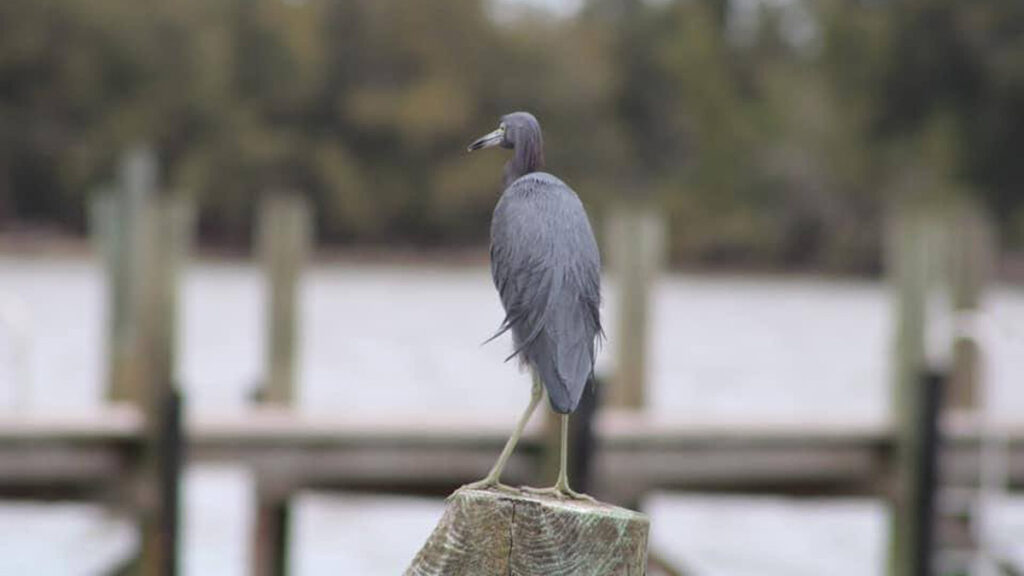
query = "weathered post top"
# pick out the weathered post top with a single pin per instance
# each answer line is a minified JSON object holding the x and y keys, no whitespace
{"x":485,"y":533}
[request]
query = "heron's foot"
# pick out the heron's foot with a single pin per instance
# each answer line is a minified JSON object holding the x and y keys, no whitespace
{"x":560,"y":492}
{"x":487,"y":484}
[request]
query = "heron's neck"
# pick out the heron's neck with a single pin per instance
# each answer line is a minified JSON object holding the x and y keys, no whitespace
{"x":529,"y":157}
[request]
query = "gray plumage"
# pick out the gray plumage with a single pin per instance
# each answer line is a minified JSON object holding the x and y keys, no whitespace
{"x":545,"y":265}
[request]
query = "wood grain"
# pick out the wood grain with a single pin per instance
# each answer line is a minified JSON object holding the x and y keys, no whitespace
{"x":489,"y":533}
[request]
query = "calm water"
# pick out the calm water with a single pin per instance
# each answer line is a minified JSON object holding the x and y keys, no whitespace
{"x":388,"y":339}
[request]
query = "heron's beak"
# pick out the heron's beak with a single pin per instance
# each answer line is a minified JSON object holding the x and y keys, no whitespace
{"x":488,"y":141}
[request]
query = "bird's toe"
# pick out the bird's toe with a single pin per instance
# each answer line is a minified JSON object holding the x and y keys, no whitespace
{"x":559,"y":493}
{"x":485,"y":485}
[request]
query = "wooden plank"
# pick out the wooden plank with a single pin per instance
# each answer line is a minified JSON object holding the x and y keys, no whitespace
{"x":633,"y":454}
{"x":497,"y":533}
{"x":627,"y":426}
{"x":111,"y":423}
{"x":58,"y":463}
{"x":619,"y":428}
{"x":285,"y":426}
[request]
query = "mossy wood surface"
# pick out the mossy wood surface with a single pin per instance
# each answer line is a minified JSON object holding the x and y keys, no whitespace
{"x":489,"y":533}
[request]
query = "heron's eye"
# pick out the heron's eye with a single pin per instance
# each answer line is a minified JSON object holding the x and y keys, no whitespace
{"x":501,"y":128}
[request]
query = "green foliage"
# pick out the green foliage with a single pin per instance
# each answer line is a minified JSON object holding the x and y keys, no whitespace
{"x":765,"y":146}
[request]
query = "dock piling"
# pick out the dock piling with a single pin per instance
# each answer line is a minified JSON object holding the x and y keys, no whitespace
{"x":118,"y":214}
{"x":911,"y":251}
{"x":491,"y":533}
{"x":144,"y":238}
{"x":169,"y":222}
{"x":972,"y":254}
{"x":635,"y":252}
{"x":271,"y":540}
{"x":284,"y":243}
{"x":285,"y":238}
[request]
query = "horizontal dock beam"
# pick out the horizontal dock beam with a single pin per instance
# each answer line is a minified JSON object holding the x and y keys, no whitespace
{"x":79,"y":456}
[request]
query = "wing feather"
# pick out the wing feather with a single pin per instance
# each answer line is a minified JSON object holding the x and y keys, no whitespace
{"x":546,"y":267}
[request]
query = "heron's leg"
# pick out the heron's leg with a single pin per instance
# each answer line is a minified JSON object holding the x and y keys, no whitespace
{"x":562,"y":484}
{"x":561,"y":488}
{"x":493,"y":477}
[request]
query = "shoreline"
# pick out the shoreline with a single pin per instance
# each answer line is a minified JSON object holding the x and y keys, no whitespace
{"x":47,"y":244}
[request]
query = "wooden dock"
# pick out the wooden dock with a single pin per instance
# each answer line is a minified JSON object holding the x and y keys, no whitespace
{"x":127,"y":454}
{"x":86,"y":455}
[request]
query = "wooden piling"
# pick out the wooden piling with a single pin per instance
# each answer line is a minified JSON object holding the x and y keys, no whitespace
{"x":486,"y":533}
{"x":168,"y":231}
{"x":118,"y":225}
{"x":635,"y":251}
{"x":166,"y":244}
{"x":271,"y":539}
{"x":972,"y":255}
{"x":284,"y":241}
{"x":911,"y":254}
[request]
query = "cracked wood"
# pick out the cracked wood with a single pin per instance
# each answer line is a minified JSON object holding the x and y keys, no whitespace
{"x":490,"y":533}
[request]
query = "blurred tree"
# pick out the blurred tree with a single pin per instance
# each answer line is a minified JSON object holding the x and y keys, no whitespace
{"x":772,"y":133}
{"x":959,"y":64}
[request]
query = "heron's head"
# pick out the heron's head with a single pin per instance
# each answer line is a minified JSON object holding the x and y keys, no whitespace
{"x":519,"y":131}
{"x":516,"y":130}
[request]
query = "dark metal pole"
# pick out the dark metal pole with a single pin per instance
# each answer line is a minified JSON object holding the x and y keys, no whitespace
{"x":926,"y":482}
{"x":169,"y":452}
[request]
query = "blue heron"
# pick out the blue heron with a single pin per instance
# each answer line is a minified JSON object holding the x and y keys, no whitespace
{"x":546,"y":267}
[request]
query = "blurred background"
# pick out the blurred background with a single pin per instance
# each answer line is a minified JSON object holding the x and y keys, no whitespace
{"x":261,"y":212}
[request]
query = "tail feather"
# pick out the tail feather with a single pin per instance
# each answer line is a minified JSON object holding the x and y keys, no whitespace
{"x":563,"y":351}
